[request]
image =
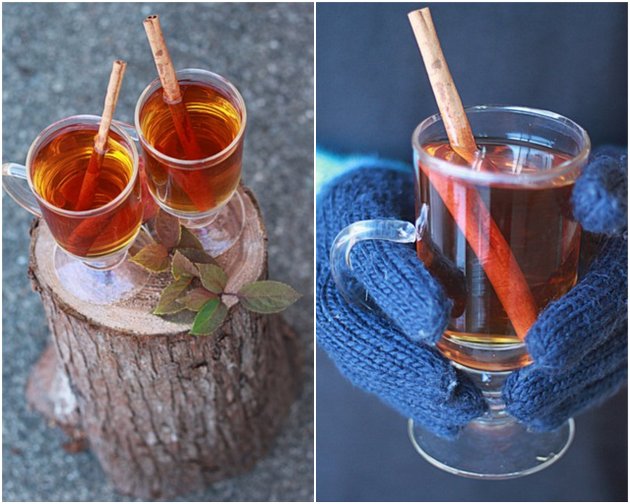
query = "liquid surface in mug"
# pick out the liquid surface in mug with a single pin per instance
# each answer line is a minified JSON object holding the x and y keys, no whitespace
{"x":57,"y":172}
{"x":537,"y":224}
{"x":215,"y":122}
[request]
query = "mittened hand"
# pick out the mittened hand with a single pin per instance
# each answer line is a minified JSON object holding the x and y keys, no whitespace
{"x":389,"y":359}
{"x":579,"y":343}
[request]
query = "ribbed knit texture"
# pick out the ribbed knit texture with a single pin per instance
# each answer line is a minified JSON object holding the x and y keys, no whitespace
{"x":412,"y":378}
{"x":579,"y":343}
{"x":544,"y":401}
{"x":585,"y":317}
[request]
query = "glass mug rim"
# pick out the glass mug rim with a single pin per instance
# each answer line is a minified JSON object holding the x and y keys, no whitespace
{"x":192,"y":164}
{"x":79,"y":120}
{"x":465,"y":173}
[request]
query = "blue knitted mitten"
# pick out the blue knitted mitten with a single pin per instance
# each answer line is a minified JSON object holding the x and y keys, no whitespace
{"x":373,"y":352}
{"x":579,"y":343}
{"x":579,"y":340}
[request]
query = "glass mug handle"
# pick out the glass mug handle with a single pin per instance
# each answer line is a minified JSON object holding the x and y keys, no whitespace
{"x":398,"y":231}
{"x":15,"y":185}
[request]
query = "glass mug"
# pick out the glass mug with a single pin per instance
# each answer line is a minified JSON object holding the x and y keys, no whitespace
{"x":90,"y":256}
{"x":200,"y":187}
{"x":501,"y":240}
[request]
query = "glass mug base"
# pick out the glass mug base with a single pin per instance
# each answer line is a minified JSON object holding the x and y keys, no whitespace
{"x":493,"y":450}
{"x":122,"y":280}
{"x":219,"y":231}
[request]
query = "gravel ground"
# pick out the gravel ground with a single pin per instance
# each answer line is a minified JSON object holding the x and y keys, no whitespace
{"x":56,"y":62}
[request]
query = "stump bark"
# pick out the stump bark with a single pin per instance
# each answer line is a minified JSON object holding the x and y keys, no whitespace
{"x":165,"y":412}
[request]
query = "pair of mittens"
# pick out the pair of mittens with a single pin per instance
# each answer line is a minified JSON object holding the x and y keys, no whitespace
{"x":578,"y":343}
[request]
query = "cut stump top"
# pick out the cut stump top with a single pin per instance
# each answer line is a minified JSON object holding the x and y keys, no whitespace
{"x":245,"y":262}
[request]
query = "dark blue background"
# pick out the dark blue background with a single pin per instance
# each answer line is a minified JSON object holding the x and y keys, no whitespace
{"x":372,"y":89}
{"x":371,"y":92}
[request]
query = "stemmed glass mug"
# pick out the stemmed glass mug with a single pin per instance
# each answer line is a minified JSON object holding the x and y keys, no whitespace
{"x":503,"y":244}
{"x":201,"y":192}
{"x":90,"y":257}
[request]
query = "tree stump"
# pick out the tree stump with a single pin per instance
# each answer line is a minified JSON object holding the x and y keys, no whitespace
{"x":165,"y":412}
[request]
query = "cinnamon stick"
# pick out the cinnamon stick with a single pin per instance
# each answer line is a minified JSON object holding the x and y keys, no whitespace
{"x":87,"y":232}
{"x":170,"y":85}
{"x":192,"y":183}
{"x":90,"y":178}
{"x":470,"y":212}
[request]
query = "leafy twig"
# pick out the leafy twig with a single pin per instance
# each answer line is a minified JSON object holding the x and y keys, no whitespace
{"x":198,"y":282}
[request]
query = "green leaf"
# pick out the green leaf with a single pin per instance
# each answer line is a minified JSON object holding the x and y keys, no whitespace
{"x":197,"y":256}
{"x":267,"y":296}
{"x":167,"y":229}
{"x":153,"y":257}
{"x":182,"y":266}
{"x":209,"y":318}
{"x":212,"y":277}
{"x":167,"y":303}
{"x":189,"y":240}
{"x":194,"y":299}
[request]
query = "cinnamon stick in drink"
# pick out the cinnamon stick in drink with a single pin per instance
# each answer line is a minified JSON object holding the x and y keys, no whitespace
{"x":86,"y":233}
{"x":170,"y":84}
{"x":471,"y":215}
{"x":58,"y":170}
{"x":179,"y":114}
{"x":85,"y":200}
